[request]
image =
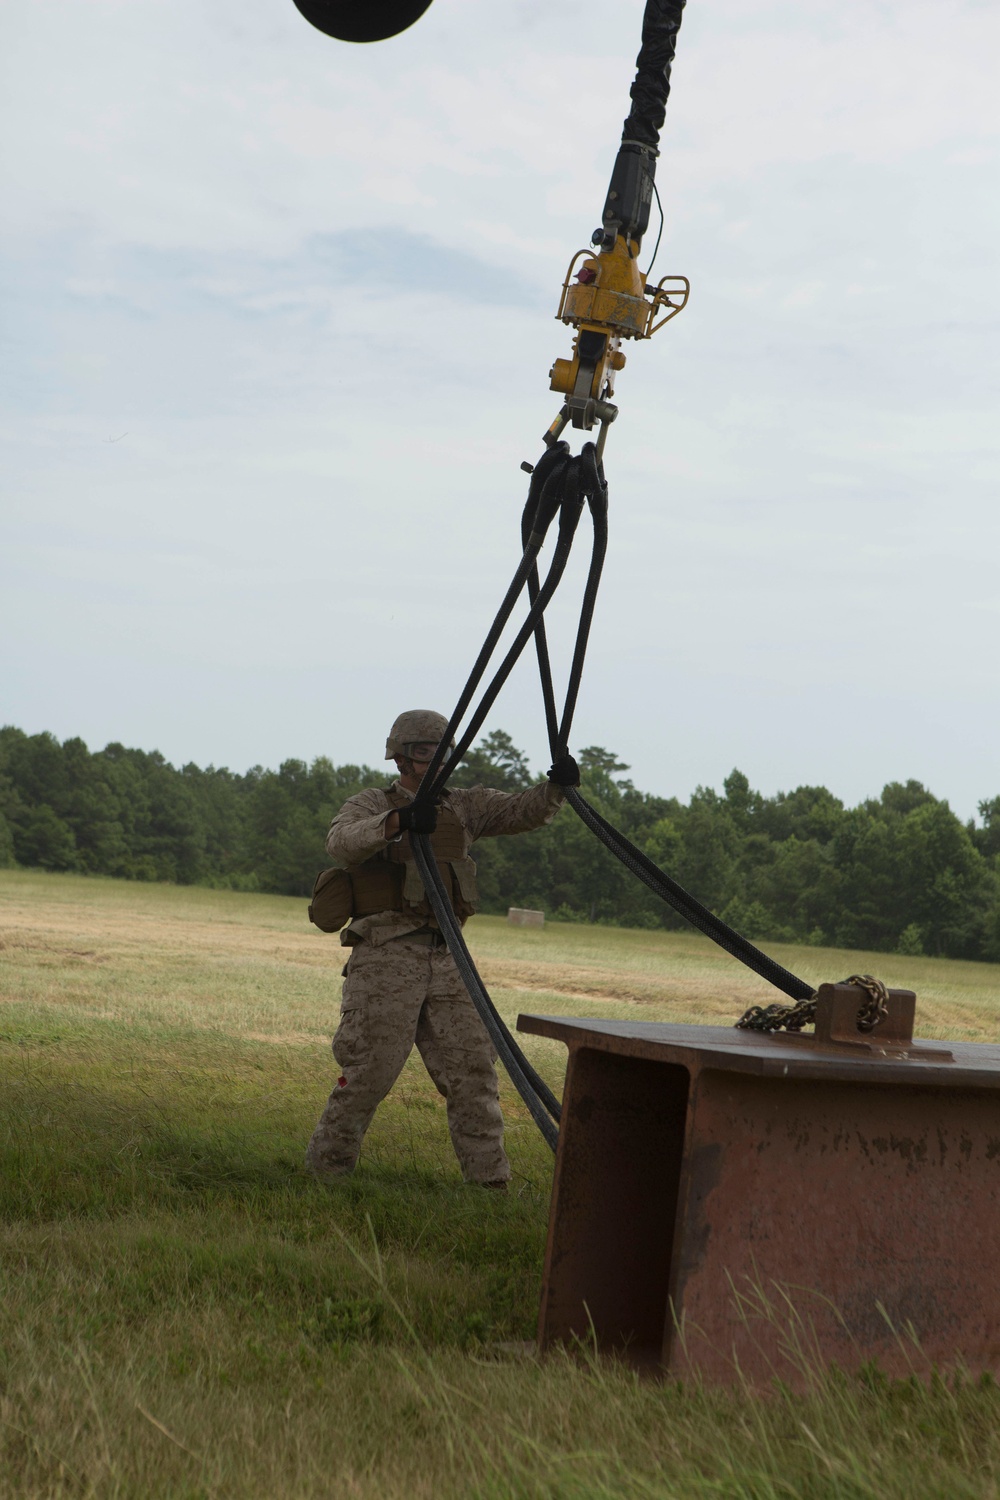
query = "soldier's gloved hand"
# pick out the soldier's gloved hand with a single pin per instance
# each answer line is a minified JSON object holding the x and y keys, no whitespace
{"x":418,"y":817}
{"x":565,"y":771}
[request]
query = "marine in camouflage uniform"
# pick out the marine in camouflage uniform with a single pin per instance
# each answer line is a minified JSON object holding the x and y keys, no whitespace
{"x":401,"y":986}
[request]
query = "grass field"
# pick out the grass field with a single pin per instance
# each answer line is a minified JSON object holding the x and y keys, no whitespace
{"x":185,"y":1313}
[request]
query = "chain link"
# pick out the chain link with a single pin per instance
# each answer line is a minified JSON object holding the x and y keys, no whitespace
{"x":796,"y":1017}
{"x":876,"y":1007}
{"x":778,"y":1017}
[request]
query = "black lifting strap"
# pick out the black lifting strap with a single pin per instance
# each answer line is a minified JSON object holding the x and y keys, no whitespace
{"x":668,"y":890}
{"x":560,"y":486}
{"x":542,"y":1103}
{"x":556,"y":490}
{"x":552,"y":491}
{"x":633,"y":858}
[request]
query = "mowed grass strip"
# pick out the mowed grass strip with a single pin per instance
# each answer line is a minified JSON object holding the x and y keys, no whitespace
{"x":183,"y":1312}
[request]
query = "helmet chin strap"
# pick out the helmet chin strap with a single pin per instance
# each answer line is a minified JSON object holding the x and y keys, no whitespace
{"x":405,"y":765}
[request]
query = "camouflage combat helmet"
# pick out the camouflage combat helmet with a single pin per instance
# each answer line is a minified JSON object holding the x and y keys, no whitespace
{"x":415,"y":726}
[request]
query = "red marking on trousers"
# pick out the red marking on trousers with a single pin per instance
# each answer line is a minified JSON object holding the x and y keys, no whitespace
{"x":341,"y":1082}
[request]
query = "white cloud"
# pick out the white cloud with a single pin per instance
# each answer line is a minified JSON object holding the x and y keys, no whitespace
{"x":314,"y":285}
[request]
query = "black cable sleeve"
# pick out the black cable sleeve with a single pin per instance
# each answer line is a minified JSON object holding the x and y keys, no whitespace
{"x":638,"y":863}
{"x":545,"y":671}
{"x":569,"y":516}
{"x":668,"y":890}
{"x":544,"y":665}
{"x":554,"y":488}
{"x":539,"y":511}
{"x":492,"y":692}
{"x":542,"y":1104}
{"x":595,"y":488}
{"x":650,"y":91}
{"x":597,"y":496}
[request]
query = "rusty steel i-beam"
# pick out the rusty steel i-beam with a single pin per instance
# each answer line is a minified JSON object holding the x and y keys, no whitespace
{"x":736,"y":1203}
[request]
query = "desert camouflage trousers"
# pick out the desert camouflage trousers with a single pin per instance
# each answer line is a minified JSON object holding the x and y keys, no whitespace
{"x":396,"y":995}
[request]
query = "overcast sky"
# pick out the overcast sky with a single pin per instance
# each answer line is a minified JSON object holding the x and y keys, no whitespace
{"x":279,"y":319}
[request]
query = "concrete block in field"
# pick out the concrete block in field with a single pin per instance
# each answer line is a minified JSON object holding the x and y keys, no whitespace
{"x":520,"y":916}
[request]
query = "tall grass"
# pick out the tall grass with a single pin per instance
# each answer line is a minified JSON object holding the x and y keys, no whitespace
{"x":183,"y":1312}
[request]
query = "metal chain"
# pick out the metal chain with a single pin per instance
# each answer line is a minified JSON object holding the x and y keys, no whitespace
{"x":778,"y":1017}
{"x":876,"y":1007}
{"x":796,"y":1017}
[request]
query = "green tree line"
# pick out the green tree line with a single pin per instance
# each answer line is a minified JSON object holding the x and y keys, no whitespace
{"x":901,"y":873}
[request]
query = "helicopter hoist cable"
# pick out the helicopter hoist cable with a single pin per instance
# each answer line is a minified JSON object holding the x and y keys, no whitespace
{"x":607,"y":300}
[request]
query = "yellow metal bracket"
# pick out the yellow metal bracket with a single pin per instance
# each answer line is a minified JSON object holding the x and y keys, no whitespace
{"x":672,"y":293}
{"x":605,"y":297}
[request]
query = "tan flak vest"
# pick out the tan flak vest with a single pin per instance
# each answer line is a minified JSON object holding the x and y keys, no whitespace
{"x":389,"y":880}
